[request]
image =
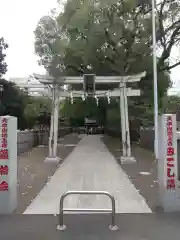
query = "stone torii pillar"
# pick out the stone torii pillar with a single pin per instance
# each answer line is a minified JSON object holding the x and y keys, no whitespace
{"x":53,"y":136}
{"x":126,"y":144}
{"x":51,"y":125}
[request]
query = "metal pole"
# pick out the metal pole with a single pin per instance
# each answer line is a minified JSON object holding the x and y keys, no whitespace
{"x":62,"y":227}
{"x":113,"y":215}
{"x":61,"y":215}
{"x":155,"y":79}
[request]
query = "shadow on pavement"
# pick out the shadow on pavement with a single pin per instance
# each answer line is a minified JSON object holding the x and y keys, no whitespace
{"x":94,"y":227}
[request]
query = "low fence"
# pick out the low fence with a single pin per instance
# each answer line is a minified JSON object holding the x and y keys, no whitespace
{"x":28,"y":139}
{"x":147,"y":138}
{"x":147,"y":142}
{"x":114,"y":132}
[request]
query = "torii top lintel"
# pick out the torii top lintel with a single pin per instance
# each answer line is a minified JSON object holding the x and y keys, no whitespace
{"x":46,"y":79}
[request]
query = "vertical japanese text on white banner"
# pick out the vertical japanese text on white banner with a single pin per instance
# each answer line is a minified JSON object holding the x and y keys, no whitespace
{"x":4,"y":158}
{"x":170,"y":152}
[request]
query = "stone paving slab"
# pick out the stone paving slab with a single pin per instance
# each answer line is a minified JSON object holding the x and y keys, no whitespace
{"x":89,"y":167}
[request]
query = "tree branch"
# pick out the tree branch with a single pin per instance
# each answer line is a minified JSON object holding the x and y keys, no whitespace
{"x":166,"y":53}
{"x":75,"y":68}
{"x":142,"y":10}
{"x":172,"y":26}
{"x":161,"y":26}
{"x":130,"y":44}
{"x":169,"y":67}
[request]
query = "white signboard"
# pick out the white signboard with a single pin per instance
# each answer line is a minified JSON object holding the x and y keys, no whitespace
{"x":167,"y":165}
{"x":8,"y":164}
{"x":171,"y":153}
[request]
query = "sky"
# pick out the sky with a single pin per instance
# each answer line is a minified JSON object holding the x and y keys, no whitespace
{"x":18,"y":20}
{"x":175,"y":73}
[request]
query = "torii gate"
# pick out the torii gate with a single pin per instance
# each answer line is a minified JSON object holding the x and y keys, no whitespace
{"x":57,"y":92}
{"x":122,"y":91}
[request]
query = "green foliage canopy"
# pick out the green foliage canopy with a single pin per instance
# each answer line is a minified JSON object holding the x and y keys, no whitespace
{"x":111,"y":38}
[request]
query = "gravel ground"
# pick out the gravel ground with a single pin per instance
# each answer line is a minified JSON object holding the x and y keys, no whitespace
{"x":143,"y":173}
{"x":33,"y":172}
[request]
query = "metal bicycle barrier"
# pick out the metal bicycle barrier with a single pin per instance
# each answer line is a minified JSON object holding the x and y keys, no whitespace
{"x":62,"y":227}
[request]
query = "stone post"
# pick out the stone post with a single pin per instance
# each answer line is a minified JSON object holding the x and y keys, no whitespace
{"x":169,"y":194}
{"x":8,"y":164}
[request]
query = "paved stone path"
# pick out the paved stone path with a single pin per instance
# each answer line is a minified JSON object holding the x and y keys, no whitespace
{"x":33,"y":172}
{"x":89,"y":167}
